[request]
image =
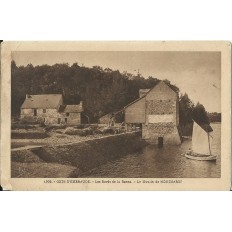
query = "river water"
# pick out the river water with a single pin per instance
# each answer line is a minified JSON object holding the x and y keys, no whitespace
{"x":166,"y":162}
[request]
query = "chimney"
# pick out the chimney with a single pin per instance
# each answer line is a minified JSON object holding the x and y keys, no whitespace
{"x":28,"y":96}
{"x":143,"y":92}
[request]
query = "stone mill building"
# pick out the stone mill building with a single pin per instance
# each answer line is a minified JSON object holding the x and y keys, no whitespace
{"x":156,"y":111}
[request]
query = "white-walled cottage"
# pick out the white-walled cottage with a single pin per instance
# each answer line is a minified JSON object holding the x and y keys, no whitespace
{"x":49,"y":109}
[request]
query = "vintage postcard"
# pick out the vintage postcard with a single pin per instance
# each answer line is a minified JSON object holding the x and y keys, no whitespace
{"x":116,"y":115}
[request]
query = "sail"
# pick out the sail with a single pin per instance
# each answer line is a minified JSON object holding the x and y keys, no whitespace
{"x":201,"y":140}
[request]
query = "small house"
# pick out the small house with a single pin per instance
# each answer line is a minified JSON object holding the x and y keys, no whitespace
{"x":50,"y":109}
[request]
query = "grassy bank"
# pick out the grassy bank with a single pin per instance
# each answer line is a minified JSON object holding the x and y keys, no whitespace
{"x":58,"y":134}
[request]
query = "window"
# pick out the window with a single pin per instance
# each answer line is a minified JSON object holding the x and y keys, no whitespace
{"x":67,"y":114}
{"x":59,"y":120}
{"x":66,"y":120}
{"x":44,"y":110}
{"x":35,"y":112}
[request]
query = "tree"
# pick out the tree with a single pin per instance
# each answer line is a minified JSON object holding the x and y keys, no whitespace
{"x":214,"y":117}
{"x":185,"y":111}
{"x":199,"y":114}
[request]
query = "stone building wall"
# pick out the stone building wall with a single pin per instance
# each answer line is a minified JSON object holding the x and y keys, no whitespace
{"x":26,"y":112}
{"x":161,"y":106}
{"x":50,"y":116}
{"x":70,"y":118}
{"x":168,"y":131}
{"x":162,"y":116}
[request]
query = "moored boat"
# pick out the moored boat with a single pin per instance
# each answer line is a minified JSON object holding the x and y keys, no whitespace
{"x":201,"y":143}
{"x":200,"y":158}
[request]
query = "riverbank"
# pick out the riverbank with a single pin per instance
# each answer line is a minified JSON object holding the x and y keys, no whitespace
{"x":73,"y":158}
{"x":53,"y":139}
{"x":31,"y":135}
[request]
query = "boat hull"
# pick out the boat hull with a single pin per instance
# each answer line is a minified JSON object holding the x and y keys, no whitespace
{"x":201,"y":157}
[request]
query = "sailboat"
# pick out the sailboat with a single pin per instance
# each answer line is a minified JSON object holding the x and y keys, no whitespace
{"x":201,"y":143}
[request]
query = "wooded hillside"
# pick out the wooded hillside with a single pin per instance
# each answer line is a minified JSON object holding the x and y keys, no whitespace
{"x":101,"y":90}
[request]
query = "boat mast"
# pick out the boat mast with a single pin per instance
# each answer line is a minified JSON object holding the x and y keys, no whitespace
{"x":209,"y":143}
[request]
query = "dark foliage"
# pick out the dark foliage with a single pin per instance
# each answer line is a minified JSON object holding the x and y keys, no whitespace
{"x":214,"y":117}
{"x":199,"y":114}
{"x":189,"y":112}
{"x":186,"y":109}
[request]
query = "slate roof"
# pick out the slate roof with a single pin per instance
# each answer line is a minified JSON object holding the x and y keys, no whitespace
{"x":42,"y":101}
{"x":147,"y":91}
{"x":71,"y":109}
{"x":135,"y":101}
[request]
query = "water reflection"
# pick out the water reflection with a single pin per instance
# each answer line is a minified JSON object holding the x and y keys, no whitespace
{"x":154,"y":162}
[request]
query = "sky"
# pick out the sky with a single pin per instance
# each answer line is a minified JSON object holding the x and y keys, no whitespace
{"x":196,"y":73}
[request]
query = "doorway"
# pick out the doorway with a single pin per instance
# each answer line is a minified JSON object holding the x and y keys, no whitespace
{"x":59,"y":120}
{"x":160,"y":142}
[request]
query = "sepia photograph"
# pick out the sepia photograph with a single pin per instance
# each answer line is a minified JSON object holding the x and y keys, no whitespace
{"x":116,"y":114}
